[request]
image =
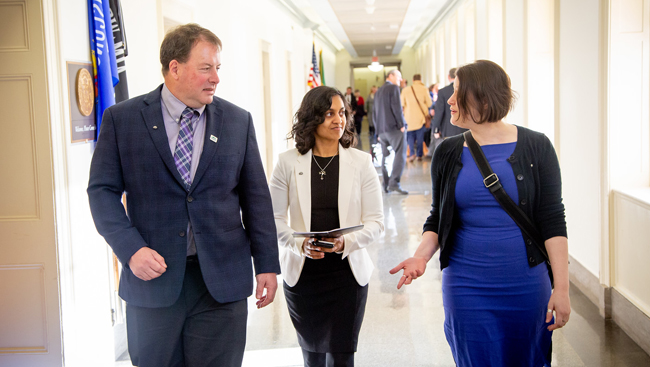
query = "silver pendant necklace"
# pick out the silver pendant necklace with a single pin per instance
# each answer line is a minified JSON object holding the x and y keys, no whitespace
{"x":322,"y":169}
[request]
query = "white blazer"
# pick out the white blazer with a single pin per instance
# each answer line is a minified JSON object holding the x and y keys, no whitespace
{"x":360,"y":202}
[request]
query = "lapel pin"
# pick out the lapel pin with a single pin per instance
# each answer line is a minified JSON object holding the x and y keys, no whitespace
{"x":155,"y":127}
{"x":213,"y":138}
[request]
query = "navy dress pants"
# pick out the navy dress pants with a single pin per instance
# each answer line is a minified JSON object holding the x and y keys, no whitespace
{"x":397,"y":140}
{"x":196,"y":331}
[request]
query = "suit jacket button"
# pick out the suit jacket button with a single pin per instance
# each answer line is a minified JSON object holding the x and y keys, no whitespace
{"x":531,"y":260}
{"x":529,"y":243}
{"x":190,"y":199}
{"x":181,"y":233}
{"x":520,"y":177}
{"x":524,"y":202}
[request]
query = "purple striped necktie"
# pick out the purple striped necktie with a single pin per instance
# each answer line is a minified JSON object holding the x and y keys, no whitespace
{"x":183,"y":152}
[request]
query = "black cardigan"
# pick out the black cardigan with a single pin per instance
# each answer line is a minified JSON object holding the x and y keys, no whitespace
{"x":537,"y":173}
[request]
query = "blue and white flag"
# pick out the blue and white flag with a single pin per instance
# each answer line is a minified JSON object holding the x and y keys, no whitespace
{"x":103,"y":56}
{"x":121,"y":50}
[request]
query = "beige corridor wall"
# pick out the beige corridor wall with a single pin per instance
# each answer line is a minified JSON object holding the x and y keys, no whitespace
{"x":629,"y":153}
{"x":343,"y":74}
{"x":370,"y":77}
{"x":580,"y":128}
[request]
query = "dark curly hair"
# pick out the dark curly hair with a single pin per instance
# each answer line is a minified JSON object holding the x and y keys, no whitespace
{"x":485,"y":88}
{"x":312,"y":113}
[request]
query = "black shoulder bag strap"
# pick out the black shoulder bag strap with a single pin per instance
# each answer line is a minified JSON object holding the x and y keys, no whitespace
{"x":491,"y":182}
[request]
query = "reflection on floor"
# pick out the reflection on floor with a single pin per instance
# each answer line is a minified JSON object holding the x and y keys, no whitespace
{"x":405,"y":327}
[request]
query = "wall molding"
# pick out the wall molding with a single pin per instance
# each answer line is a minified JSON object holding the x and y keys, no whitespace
{"x":612,"y":304}
{"x":589,"y":284}
{"x":631,"y":319}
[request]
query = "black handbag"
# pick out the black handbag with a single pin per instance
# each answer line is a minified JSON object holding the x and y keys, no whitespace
{"x":492,"y":183}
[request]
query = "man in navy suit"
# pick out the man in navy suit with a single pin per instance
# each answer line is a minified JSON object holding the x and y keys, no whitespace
{"x":198,"y":209}
{"x":391,"y":126}
{"x":441,"y":124}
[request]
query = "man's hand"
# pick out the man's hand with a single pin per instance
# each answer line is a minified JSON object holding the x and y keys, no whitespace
{"x":147,"y":264}
{"x":268,"y":281}
{"x":436,"y":135}
{"x":402,"y":129}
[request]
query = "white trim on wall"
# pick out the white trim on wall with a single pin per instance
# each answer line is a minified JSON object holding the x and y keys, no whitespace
{"x":60,"y":140}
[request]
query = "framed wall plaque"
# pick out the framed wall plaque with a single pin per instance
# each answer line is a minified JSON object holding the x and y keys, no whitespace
{"x":81,"y":90}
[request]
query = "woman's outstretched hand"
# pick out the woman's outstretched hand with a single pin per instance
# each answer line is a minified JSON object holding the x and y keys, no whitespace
{"x":413,"y":268}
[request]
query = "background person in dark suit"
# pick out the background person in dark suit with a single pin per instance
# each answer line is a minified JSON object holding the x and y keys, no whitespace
{"x":198,"y":209}
{"x":441,"y":126}
{"x":391,"y":126}
{"x":359,"y":112}
{"x":351,"y":99}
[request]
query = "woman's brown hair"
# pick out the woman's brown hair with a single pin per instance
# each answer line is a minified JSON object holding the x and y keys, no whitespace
{"x":484,"y":90}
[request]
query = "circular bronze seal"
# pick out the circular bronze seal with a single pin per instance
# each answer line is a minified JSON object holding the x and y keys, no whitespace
{"x":85,"y":92}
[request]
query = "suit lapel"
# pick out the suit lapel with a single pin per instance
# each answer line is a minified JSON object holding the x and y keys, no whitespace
{"x":213,"y":125}
{"x":152,"y":115}
{"x":347,"y":172}
{"x":302,"y":172}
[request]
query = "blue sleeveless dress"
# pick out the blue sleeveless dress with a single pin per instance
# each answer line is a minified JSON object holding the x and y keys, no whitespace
{"x":495,"y":304}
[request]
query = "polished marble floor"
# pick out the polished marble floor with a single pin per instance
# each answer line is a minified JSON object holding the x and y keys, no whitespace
{"x":405,"y":327}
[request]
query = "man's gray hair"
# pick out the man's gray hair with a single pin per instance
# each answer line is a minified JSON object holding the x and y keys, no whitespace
{"x":392,"y":72}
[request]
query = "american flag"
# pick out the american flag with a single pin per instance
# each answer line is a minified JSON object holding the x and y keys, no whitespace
{"x":314,"y":74}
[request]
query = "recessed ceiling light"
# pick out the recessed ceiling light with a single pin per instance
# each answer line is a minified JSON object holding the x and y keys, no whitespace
{"x":388,"y":47}
{"x":370,"y":9}
{"x":394,"y":26}
{"x":372,"y":27}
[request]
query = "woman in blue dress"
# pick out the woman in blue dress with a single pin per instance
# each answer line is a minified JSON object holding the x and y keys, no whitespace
{"x":497,"y":296}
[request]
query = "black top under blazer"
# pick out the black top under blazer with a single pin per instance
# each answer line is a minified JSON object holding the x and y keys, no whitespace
{"x":539,"y":185}
{"x":228,"y":204}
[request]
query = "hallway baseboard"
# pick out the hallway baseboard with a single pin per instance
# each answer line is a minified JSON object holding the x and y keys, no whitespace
{"x":612,"y":304}
{"x":589,"y":284}
{"x":633,"y":321}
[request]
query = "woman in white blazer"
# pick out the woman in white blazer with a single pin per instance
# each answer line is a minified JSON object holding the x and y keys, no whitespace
{"x":322,"y":185}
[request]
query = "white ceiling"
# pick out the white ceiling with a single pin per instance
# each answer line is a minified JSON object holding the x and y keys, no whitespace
{"x":364,"y":26}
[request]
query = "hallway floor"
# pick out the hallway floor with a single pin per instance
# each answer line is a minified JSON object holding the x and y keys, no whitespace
{"x":405,"y":327}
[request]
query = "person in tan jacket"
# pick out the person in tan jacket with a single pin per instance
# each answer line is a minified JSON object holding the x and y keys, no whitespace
{"x":415,"y":104}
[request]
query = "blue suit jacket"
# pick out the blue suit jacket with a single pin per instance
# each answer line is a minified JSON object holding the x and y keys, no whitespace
{"x":387,"y":109}
{"x":229,"y":204}
{"x":442,"y":119}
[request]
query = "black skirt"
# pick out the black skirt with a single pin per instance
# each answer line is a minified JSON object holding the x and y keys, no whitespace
{"x":327,"y":310}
